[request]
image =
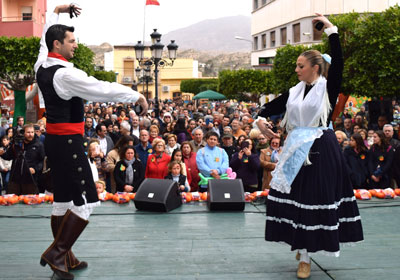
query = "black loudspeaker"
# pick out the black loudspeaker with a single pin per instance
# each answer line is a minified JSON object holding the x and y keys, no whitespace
{"x":158,"y":195}
{"x":226,"y":195}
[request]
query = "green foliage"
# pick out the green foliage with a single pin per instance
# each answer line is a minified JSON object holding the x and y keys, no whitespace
{"x":108,"y":76}
{"x":198,"y":85}
{"x":284,"y":75}
{"x":17,"y":58}
{"x":371,"y":50}
{"x":83,"y":59}
{"x":244,"y":84}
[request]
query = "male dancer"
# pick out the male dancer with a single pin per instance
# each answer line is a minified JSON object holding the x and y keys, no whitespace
{"x":63,"y":88}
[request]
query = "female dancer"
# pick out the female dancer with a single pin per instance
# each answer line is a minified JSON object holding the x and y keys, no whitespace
{"x":311,"y":205}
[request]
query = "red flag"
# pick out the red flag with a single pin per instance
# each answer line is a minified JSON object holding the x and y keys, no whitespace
{"x":152,"y":2}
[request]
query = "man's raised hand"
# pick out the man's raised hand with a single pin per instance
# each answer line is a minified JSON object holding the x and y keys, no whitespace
{"x":67,"y":8}
{"x":143,"y":103}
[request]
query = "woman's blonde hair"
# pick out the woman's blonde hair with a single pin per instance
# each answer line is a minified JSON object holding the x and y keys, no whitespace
{"x":172,"y":136}
{"x":157,"y":141}
{"x":92,"y":142}
{"x":315,"y":58}
{"x":344,"y":136}
{"x":154,"y":127}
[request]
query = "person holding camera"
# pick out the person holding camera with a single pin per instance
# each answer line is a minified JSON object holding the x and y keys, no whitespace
{"x":27,"y":153}
{"x":311,"y":204}
{"x":246,"y":163}
{"x":64,"y":88}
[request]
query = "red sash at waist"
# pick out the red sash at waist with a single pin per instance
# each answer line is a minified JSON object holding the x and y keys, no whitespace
{"x":65,"y":128}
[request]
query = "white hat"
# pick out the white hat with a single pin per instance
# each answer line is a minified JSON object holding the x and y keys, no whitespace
{"x":167,"y":115}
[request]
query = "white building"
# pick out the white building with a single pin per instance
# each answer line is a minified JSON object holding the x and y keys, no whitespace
{"x":275,"y":23}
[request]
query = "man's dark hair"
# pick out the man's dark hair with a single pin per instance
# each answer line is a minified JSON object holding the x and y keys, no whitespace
{"x":57,"y":32}
{"x":211,"y":133}
{"x":98,"y":127}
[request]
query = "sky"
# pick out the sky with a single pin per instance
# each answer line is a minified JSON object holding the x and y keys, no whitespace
{"x":122,"y":21}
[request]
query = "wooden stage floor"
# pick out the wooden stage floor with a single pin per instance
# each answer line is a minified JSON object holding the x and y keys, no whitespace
{"x":192,"y":243}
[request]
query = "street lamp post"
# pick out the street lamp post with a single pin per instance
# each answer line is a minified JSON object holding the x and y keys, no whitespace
{"x":156,"y":60}
{"x":147,"y":73}
{"x":247,"y":40}
{"x":139,"y":74}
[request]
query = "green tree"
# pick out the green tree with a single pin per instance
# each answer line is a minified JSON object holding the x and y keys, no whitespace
{"x":83,"y":59}
{"x":371,"y":50}
{"x":108,"y":76}
{"x":283,"y":72}
{"x":17,"y":59}
{"x":244,"y":85}
{"x":198,"y":85}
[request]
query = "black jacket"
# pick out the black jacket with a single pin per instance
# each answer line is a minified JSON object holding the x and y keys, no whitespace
{"x":379,"y":164}
{"x":357,"y":166}
{"x":120,"y":173}
{"x":29,"y":155}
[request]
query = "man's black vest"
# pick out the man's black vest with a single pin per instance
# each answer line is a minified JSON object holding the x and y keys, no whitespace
{"x":58,"y":110}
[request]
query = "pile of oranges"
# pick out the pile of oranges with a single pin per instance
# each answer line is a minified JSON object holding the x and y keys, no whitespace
{"x":194,"y":196}
{"x":378,"y":193}
{"x":11,"y":199}
{"x":121,"y":198}
{"x":249,"y":197}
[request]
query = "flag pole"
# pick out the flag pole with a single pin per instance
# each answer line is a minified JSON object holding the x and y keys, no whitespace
{"x":144,"y":20}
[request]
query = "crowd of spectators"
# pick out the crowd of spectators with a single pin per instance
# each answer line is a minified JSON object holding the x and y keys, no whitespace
{"x":184,"y":140}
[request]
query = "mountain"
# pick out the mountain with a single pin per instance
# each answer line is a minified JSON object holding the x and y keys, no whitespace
{"x":211,"y":42}
{"x":213,"y":35}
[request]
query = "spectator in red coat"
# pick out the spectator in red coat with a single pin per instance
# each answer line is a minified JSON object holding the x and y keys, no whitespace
{"x":189,"y":158}
{"x":157,"y":163}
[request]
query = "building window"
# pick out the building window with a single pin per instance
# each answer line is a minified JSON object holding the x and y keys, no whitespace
{"x":255,"y":47}
{"x":255,"y":4}
{"x":26,"y":13}
{"x":264,"y":41}
{"x":128,"y":72}
{"x":272,"y":39}
{"x":317,"y":34}
{"x":265,"y":61}
{"x":296,"y":32}
{"x":283,"y":36}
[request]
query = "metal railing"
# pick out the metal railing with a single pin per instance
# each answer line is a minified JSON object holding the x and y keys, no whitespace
{"x":17,"y":19}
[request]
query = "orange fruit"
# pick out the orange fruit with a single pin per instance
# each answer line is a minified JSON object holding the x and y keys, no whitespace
{"x":132,"y":196}
{"x":203,"y":196}
{"x":51,"y":198}
{"x":109,"y":196}
{"x":189,"y":197}
{"x":397,"y":192}
{"x":380,"y":195}
{"x":20,"y":198}
{"x":357,"y":195}
{"x":46,"y":197}
{"x":116,"y":198}
{"x":12,"y":199}
{"x":2,"y":200}
{"x":27,"y":200}
{"x":372,"y":192}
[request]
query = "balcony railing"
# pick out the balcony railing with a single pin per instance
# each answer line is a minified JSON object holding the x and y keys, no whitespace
{"x":17,"y":18}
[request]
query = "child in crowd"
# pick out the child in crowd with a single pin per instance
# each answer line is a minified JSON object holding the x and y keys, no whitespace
{"x":101,"y":189}
{"x":175,"y":172}
{"x":178,"y":157}
{"x":5,"y":165}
